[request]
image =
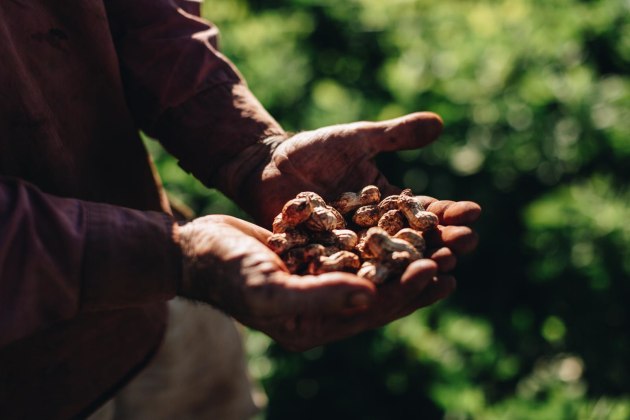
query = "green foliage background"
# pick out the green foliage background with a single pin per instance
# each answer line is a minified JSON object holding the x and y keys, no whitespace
{"x":535,"y":96}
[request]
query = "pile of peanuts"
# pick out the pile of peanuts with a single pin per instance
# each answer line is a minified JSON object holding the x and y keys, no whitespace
{"x":357,"y":233}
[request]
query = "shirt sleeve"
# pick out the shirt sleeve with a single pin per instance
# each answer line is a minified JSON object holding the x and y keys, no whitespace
{"x":60,"y":256}
{"x":181,"y":89}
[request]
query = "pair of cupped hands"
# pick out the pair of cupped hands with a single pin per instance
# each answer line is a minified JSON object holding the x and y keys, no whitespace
{"x":228,"y":264}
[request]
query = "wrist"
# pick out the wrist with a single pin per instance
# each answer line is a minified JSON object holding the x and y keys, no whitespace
{"x":203,"y":267}
{"x":196,"y":268}
{"x":243,"y":174}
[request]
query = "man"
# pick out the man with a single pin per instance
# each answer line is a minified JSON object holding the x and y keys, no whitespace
{"x":89,"y":253}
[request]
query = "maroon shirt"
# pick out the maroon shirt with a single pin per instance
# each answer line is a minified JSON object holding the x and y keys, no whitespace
{"x":86,"y":254}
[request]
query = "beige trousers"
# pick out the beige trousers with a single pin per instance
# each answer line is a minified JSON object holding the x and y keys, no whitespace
{"x":198,"y":373}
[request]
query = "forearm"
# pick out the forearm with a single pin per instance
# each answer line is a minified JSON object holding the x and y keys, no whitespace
{"x":219,"y":134}
{"x":60,"y":256}
{"x":184,"y":92}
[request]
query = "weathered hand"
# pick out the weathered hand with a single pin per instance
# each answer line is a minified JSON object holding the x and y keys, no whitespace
{"x":339,"y":158}
{"x":227,"y":264}
{"x":330,"y":161}
{"x":335,"y":159}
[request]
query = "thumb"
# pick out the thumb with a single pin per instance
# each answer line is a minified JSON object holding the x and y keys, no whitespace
{"x":327,"y":293}
{"x":408,"y":132}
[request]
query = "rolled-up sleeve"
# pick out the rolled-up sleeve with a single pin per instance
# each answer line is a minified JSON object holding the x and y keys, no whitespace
{"x":61,"y":256}
{"x":181,"y":89}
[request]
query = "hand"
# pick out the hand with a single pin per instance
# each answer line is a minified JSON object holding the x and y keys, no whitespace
{"x":339,"y":158}
{"x":227,"y":264}
{"x":335,"y":159}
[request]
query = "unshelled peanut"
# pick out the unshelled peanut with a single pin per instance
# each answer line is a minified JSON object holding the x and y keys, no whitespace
{"x":358,"y":233}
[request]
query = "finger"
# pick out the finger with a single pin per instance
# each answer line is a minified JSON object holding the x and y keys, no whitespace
{"x":382,"y":312}
{"x":392,"y":298}
{"x":425,"y":200}
{"x":248,"y":228}
{"x":408,"y":132}
{"x":251,"y":229}
{"x":394,"y":295}
{"x":290,"y":295}
{"x":387,"y":309}
{"x":460,"y":239}
{"x":455,"y":212}
{"x":439,"y":288}
{"x":444,"y":258}
{"x":418,"y":274}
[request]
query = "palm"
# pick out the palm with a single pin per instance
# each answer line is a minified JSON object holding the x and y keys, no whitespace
{"x":227,"y":264}
{"x":330,"y":164}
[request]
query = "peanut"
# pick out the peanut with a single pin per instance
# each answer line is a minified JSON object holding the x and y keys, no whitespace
{"x":366,"y":216}
{"x":322,"y":217}
{"x":343,"y":238}
{"x":392,"y":202}
{"x":381,"y":244}
{"x":388,"y":203}
{"x":350,"y":201}
{"x":310,"y":235}
{"x":363,"y":251}
{"x":341,"y":222}
{"x":392,"y":256}
{"x":417,"y":217}
{"x":373,"y":271}
{"x":297,"y":259}
{"x":314,"y":198}
{"x":293,"y":213}
{"x":282,"y":242}
{"x":392,"y":221}
{"x":414,"y":237}
{"x":340,"y":261}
